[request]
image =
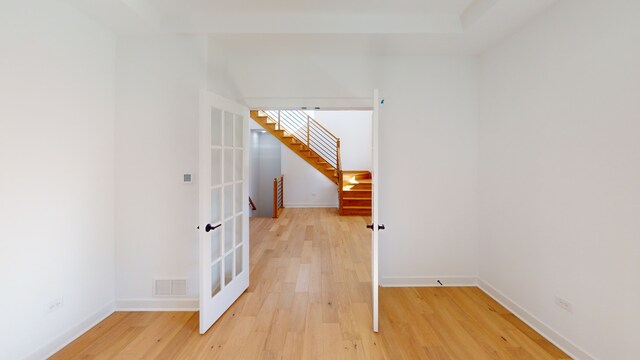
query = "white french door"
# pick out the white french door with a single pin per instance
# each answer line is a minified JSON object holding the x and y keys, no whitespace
{"x":374,"y":209}
{"x":223,"y":197}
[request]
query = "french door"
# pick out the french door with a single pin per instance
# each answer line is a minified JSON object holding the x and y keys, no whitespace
{"x":223,"y":197}
{"x":374,"y":209}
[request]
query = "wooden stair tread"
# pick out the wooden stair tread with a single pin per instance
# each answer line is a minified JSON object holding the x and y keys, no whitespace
{"x":356,"y":198}
{"x":357,"y":207}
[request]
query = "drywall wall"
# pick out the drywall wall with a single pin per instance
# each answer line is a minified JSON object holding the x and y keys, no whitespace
{"x":158,"y":84}
{"x":307,"y":186}
{"x":429,"y":147}
{"x":266,"y":155}
{"x":560,"y":119}
{"x":56,"y":182}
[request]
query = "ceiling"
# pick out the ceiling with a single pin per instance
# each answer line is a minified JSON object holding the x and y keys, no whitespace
{"x":380,"y":27}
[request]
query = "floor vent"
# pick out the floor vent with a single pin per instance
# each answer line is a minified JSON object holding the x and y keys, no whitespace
{"x":170,"y":287}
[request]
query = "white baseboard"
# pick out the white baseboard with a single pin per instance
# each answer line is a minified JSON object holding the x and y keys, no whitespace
{"x":427,"y":281}
{"x":155,"y":304}
{"x":307,"y":206}
{"x":73,"y":333}
{"x":547,"y":332}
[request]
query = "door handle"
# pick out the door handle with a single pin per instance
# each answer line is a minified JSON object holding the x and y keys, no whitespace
{"x":209,"y":227}
{"x":381,"y":227}
{"x":370,"y":226}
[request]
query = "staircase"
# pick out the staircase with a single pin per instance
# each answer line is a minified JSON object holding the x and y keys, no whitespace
{"x":321,"y":149}
{"x":355,"y":193}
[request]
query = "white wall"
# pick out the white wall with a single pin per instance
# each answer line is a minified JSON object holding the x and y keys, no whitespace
{"x":310,"y":188}
{"x":56,"y":183}
{"x":354,"y":130}
{"x":428,"y":170}
{"x":560,"y":150}
{"x":158,"y":83}
{"x":429,"y":148}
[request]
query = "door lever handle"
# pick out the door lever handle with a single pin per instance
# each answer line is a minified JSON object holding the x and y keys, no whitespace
{"x":370,"y":226}
{"x":381,"y":227}
{"x":209,"y":227}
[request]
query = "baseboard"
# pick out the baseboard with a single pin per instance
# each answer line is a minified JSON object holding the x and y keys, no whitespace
{"x":75,"y":332}
{"x":543,"y":329}
{"x":427,"y":281}
{"x":157,"y":304}
{"x":307,"y":206}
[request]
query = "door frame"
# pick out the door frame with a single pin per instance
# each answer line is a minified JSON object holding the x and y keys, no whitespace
{"x":344,"y":104}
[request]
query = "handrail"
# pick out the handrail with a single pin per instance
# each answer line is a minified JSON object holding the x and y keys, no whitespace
{"x":308,"y":132}
{"x":278,"y":196}
{"x":251,"y":204}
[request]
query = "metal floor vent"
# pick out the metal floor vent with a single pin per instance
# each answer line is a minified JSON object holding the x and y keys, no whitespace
{"x":170,"y":287}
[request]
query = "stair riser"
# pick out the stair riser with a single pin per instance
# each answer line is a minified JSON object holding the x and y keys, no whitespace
{"x":359,"y":202}
{"x":358,"y":194}
{"x":361,"y":212}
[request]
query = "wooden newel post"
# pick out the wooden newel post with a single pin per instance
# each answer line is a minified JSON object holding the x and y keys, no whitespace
{"x":282,"y":187}
{"x":275,"y":197}
{"x":338,"y":155}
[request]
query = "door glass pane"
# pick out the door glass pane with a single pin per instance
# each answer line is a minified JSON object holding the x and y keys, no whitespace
{"x":238,"y":166}
{"x":216,"y":167}
{"x":228,"y":201}
{"x":238,"y":199}
{"x":215,"y":278}
{"x":228,"y":129}
{"x":228,"y":165}
{"x":238,"y":260}
{"x":216,"y":206}
{"x":238,"y":230}
{"x":216,"y":127}
{"x":228,"y":268}
{"x":216,"y":245}
{"x":239,"y":134}
{"x":228,"y":235}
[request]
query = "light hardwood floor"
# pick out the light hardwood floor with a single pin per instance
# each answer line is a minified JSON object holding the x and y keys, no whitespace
{"x":310,"y":299}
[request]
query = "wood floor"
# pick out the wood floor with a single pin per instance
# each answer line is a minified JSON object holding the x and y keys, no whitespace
{"x":310,"y":299}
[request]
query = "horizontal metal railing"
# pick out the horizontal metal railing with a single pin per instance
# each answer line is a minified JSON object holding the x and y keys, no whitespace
{"x":309,"y":132}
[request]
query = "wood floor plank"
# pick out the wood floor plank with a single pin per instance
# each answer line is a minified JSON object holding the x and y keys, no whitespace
{"x":310,"y":298}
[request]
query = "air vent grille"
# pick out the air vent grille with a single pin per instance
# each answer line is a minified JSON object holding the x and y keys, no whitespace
{"x":179,"y":287}
{"x":170,"y":287}
{"x":163,"y":288}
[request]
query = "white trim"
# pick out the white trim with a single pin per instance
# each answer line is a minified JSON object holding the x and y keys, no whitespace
{"x":306,"y":206}
{"x":309,"y":103}
{"x":538,"y":325}
{"x":427,"y":281}
{"x":72,"y":334}
{"x":180,"y":304}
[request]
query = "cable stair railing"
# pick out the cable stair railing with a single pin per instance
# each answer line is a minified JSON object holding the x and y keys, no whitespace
{"x":310,"y":133}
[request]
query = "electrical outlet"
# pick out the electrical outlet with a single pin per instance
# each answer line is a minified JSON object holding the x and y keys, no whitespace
{"x":55,"y":305}
{"x":564,"y":304}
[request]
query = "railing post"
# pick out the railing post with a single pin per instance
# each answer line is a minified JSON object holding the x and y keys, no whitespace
{"x":308,"y":133}
{"x":282,"y":187}
{"x":279,"y":128}
{"x":275,"y":197}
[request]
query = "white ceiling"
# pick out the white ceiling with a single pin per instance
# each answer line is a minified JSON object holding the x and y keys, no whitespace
{"x":332,"y":7}
{"x":383,"y":27}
